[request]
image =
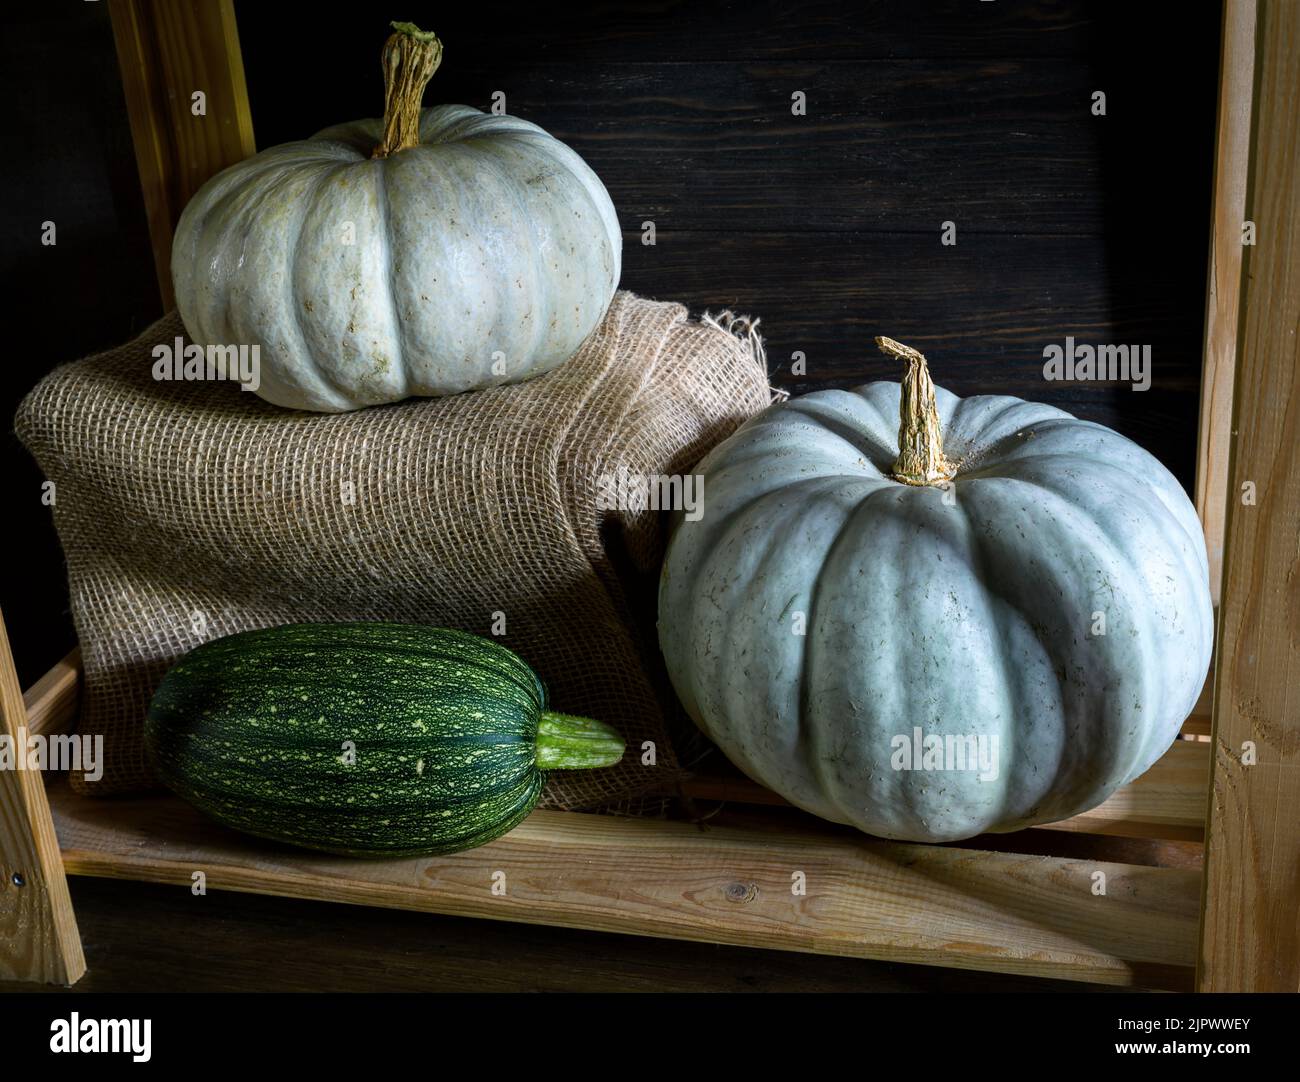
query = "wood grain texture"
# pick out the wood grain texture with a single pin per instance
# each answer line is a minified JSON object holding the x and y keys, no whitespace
{"x":1231,"y":162}
{"x":166,"y":52}
{"x":826,"y":226}
{"x":1201,"y":720}
{"x":145,"y":937}
{"x":711,"y":30}
{"x":962,"y":908}
{"x":1250,"y":937}
{"x":872,"y":154}
{"x":51,"y":702}
{"x":38,"y":932}
{"x":982,"y":312}
{"x":1064,"y":844}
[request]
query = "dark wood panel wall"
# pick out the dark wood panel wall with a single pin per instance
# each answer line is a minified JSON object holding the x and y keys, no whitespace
{"x":829,"y":225}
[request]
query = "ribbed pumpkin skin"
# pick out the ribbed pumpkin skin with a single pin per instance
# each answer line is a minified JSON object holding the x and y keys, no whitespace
{"x":974,"y":616}
{"x":483,"y":256}
{"x":251,"y":729}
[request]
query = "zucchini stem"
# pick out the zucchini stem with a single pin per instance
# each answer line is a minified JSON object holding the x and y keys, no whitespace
{"x":566,"y":742}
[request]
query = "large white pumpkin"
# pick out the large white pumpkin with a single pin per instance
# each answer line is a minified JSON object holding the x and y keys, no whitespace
{"x":433,"y":252}
{"x":1015,"y":576}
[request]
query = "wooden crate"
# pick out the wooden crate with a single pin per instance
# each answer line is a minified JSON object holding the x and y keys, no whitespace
{"x":1199,"y":854}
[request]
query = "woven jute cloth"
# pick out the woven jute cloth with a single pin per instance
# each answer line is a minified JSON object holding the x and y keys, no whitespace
{"x":192,"y":510}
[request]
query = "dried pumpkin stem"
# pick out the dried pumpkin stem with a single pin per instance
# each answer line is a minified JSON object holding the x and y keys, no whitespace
{"x":411,"y":56}
{"x":920,"y":442}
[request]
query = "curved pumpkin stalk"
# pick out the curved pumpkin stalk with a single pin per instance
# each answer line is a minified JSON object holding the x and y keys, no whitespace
{"x":920,"y":459}
{"x":411,"y":56}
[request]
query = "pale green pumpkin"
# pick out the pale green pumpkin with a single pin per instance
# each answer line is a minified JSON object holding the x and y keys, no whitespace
{"x":1016,"y":576}
{"x":436,"y":251}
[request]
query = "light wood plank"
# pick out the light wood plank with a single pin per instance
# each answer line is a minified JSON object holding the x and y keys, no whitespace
{"x":1231,"y":160}
{"x":167,"y":51}
{"x":908,"y":903}
{"x":1250,"y":936}
{"x":1199,"y":723}
{"x":51,"y":702}
{"x":38,"y":931}
{"x":1168,"y":801}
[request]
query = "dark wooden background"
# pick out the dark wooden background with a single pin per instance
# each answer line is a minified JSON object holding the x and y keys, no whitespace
{"x":826,"y":226}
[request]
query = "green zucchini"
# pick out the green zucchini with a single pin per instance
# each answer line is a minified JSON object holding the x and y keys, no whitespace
{"x":364,"y":739}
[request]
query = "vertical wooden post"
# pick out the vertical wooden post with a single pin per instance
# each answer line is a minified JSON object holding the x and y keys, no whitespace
{"x":38,"y":931}
{"x":1232,"y":146}
{"x":167,"y":52}
{"x":1250,"y":925}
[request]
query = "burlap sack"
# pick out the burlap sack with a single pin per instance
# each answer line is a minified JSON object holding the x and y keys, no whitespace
{"x":191,"y":510}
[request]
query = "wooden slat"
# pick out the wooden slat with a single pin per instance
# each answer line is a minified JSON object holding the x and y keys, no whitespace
{"x":167,"y":51}
{"x":1168,"y":801}
{"x":1224,"y":289}
{"x":1198,"y":724}
{"x":38,"y":931}
{"x":51,"y":702}
{"x":873,"y":153}
{"x":687,"y":32}
{"x":909,"y":903}
{"x":1250,"y":938}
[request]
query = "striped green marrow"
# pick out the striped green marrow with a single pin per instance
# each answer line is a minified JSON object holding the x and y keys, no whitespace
{"x":364,"y":739}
